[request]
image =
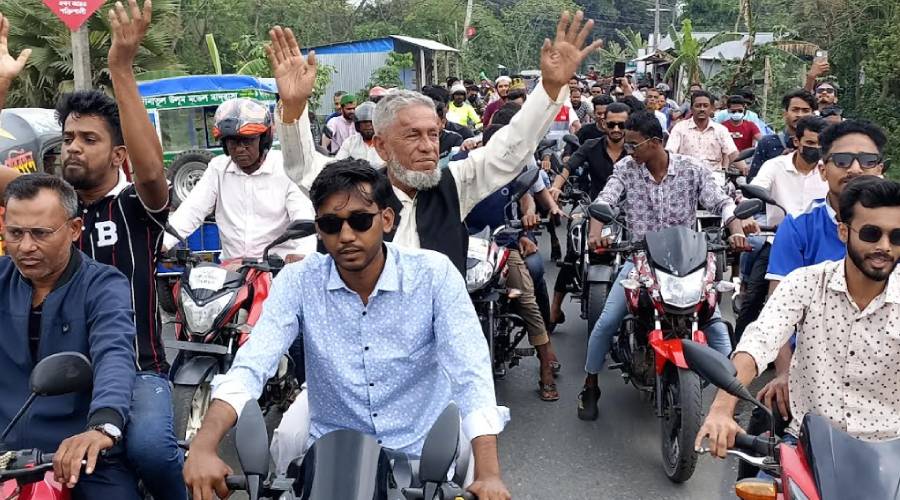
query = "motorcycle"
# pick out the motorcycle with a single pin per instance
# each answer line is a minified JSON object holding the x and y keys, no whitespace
{"x":350,"y":465}
{"x":826,"y":464}
{"x":671,"y":292}
{"x":216,"y":311}
{"x":28,"y":474}
{"x":486,"y":272}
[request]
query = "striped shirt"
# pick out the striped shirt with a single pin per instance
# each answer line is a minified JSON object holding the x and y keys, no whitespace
{"x":120,"y":231}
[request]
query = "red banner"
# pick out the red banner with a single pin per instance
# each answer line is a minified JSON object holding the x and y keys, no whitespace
{"x":73,"y":13}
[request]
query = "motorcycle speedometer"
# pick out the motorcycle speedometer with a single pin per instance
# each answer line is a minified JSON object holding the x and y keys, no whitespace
{"x":200,"y":319}
{"x":681,"y":291}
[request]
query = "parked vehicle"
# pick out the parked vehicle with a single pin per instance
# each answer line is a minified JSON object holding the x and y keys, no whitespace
{"x":30,"y":140}
{"x":216,"y":311}
{"x":826,"y":463}
{"x":28,"y":474}
{"x":349,"y":465}
{"x":671,"y":294}
{"x":486,"y":273}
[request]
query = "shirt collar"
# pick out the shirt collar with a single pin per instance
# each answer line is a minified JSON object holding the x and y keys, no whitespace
{"x":119,"y":187}
{"x":388,"y":281}
{"x":66,"y":276}
{"x":838,"y":283}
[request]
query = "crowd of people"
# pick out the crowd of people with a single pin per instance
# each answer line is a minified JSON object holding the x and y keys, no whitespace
{"x":377,"y":317}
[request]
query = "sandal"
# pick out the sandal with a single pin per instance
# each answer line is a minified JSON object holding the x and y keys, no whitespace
{"x":554,"y":365}
{"x":548,"y":392}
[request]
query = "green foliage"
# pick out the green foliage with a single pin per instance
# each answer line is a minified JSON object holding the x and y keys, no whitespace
{"x":389,"y":74}
{"x":688,"y":50}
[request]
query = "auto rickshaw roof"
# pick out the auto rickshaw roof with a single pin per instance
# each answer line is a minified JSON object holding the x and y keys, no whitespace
{"x":205,"y":83}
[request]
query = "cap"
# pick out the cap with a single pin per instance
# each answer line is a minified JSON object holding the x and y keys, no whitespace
{"x":503,"y":79}
{"x":457,"y":88}
{"x":662,"y":87}
{"x":348,"y":99}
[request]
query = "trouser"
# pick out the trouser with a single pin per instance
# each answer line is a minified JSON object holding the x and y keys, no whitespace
{"x":291,"y":437}
{"x":755,"y":290}
{"x":111,"y":479}
{"x":614,"y":312}
{"x":526,"y":305}
{"x":150,"y":438}
{"x":535,"y":265}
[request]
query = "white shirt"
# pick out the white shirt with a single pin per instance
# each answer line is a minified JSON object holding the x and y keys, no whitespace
{"x":251,"y":210}
{"x":845,"y":364}
{"x":355,"y":147}
{"x":484,"y":171}
{"x":793,"y":190}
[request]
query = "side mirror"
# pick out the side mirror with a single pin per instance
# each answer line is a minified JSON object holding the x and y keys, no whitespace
{"x":748,"y":208}
{"x":251,"y":441}
{"x":745,"y":154}
{"x":62,"y":373}
{"x":523,"y":182}
{"x":439,"y":449}
{"x":572,"y":140}
{"x":171,"y":230}
{"x":714,"y":367}
{"x":295,"y":230}
{"x":602,"y":212}
{"x":756,"y":192}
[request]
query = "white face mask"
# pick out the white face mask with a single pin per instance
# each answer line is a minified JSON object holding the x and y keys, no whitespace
{"x":736,"y":116}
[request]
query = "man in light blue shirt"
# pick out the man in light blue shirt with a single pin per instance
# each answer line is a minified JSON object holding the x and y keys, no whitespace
{"x":390,"y":336}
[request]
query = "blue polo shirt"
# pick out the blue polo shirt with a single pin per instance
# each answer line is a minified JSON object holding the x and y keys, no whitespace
{"x":805,"y":240}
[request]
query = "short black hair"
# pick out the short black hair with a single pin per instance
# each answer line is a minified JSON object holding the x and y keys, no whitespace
{"x":91,"y":103}
{"x":803,"y":94}
{"x":597,"y":84}
{"x":847,"y":127}
{"x":812,"y":123}
{"x":436,"y":93}
{"x":869,"y":191}
{"x":602,"y":100}
{"x":702,"y":93}
{"x":618,"y":107}
{"x":747,"y":94}
{"x":505,"y":114}
{"x":514,"y":94}
{"x":645,"y":123}
{"x":736,"y":99}
{"x":451,"y":80}
{"x":468,"y":82}
{"x":348,"y":175}
{"x":27,"y":187}
{"x":490,"y":130}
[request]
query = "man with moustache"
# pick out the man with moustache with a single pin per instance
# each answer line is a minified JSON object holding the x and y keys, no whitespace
{"x":702,"y":138}
{"x":502,"y":85}
{"x":360,"y":146}
{"x":796,"y":104}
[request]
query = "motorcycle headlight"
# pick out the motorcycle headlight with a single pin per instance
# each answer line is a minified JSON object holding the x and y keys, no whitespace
{"x":681,"y":291}
{"x":478,"y":275}
{"x":200,"y":319}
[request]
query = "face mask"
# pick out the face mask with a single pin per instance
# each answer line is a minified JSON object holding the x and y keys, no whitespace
{"x":736,"y":116}
{"x":810,"y":155}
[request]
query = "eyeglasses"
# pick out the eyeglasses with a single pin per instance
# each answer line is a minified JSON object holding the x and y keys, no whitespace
{"x":824,"y":90}
{"x":845,"y":160}
{"x":873,"y":234}
{"x":359,"y":222}
{"x":15,"y":234}
{"x":630,"y":146}
{"x":618,"y":125}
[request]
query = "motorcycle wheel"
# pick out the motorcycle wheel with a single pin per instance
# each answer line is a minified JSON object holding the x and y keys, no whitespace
{"x":682,"y":417}
{"x":596,"y":300}
{"x":190,"y":403}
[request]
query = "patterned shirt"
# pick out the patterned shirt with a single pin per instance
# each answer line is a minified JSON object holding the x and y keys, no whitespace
{"x":845,"y":363}
{"x":711,"y":145}
{"x":651,"y":206}
{"x":387,"y":369}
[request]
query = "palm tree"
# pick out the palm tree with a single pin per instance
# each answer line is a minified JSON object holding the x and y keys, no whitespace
{"x":609,"y":54}
{"x":689,"y":49}
{"x":49,"y":71}
{"x":633,"y":41}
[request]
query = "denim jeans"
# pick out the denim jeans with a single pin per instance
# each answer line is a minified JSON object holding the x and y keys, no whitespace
{"x":111,"y":479}
{"x":150,"y":438}
{"x":614,"y":312}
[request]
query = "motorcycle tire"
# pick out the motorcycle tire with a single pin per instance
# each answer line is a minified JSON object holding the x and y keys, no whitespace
{"x":681,"y":421}
{"x":596,"y":300}
{"x":182,"y":402}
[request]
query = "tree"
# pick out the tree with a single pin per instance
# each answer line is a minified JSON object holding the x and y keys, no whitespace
{"x":389,"y":74}
{"x":689,"y":49}
{"x":50,"y":71}
{"x":609,"y":54}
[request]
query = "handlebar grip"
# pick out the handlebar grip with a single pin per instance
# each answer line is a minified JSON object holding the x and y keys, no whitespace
{"x":236,"y":482}
{"x":756,"y":444}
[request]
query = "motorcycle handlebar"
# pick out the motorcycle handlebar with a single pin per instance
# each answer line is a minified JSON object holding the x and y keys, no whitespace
{"x":236,"y":482}
{"x":755,"y":444}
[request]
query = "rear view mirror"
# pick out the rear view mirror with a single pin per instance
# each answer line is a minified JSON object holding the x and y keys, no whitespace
{"x":714,"y":367}
{"x":572,"y":140}
{"x":524,"y":181}
{"x":602,"y":212}
{"x":62,"y":373}
{"x":756,"y":192}
{"x":748,"y":208}
{"x":251,"y":440}
{"x":295,"y":230}
{"x":440,"y":447}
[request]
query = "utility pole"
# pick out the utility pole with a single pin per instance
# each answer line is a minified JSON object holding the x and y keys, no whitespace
{"x":81,"y":58}
{"x":656,"y":27}
{"x":468,"y":21}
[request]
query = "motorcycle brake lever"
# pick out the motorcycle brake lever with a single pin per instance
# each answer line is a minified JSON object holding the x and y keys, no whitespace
{"x":759,"y":462}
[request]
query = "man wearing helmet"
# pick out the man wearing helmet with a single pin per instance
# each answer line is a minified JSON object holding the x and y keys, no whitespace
{"x":246,"y":188}
{"x":360,"y":146}
{"x":375,"y":94}
{"x":459,"y":110}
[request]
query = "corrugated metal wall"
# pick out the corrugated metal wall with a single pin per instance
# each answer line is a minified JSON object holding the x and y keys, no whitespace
{"x":351,"y":73}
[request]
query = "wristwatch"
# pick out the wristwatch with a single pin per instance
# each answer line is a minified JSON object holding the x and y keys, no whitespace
{"x":110,"y":431}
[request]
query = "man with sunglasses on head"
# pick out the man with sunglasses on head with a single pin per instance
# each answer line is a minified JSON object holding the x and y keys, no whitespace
{"x":845,"y":313}
{"x":656,"y":189}
{"x":391,"y":339}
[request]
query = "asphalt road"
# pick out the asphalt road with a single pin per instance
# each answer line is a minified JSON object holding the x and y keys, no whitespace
{"x":548,"y":453}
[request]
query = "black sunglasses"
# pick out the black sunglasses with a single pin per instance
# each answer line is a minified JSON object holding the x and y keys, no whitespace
{"x":825,"y":90}
{"x":332,"y":224}
{"x":618,"y":125}
{"x":873,"y":234}
{"x":845,"y":160}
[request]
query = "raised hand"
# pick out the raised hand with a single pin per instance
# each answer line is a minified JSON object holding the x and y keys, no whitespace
{"x":561,"y":58}
{"x":294,"y":75}
{"x":127,"y":32}
{"x":9,"y":67}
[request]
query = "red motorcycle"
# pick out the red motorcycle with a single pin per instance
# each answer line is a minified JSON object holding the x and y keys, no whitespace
{"x":28,"y":474}
{"x":216,"y":311}
{"x":671,"y":295}
{"x":825,"y":464}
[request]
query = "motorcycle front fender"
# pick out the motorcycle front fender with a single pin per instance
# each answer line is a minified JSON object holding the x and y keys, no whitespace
{"x":600,"y":274}
{"x":667,"y":351}
{"x":196,"y":370}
